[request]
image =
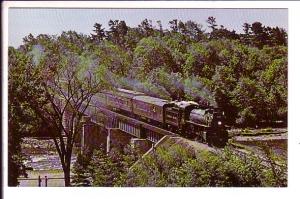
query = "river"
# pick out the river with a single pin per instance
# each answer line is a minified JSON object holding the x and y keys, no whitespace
{"x":42,"y":159}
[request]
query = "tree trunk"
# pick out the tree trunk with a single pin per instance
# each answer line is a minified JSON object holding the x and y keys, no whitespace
{"x":67,"y":167}
{"x":67,"y":175}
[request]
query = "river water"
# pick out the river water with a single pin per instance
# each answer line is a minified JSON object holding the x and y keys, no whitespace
{"x":41,"y":154}
{"x":42,"y":159}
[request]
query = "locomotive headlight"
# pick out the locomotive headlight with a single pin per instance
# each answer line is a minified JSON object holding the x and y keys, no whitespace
{"x":219,"y":122}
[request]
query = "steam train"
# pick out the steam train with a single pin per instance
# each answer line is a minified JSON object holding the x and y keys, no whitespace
{"x":187,"y":118}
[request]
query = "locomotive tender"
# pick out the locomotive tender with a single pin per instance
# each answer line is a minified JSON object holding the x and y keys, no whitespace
{"x":185,"y":118}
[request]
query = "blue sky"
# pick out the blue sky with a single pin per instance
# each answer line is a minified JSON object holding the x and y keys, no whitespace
{"x":22,"y":21}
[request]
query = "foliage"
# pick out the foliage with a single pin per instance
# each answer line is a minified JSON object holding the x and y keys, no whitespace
{"x":80,"y":170}
{"x":277,"y":174}
{"x":113,"y":57}
{"x":63,"y":72}
{"x":177,"y":167}
{"x":184,"y":62}
{"x":150,"y":54}
{"x":22,"y":120}
{"x":99,"y":168}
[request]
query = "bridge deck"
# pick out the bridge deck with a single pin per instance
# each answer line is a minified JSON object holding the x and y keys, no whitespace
{"x":97,"y":113}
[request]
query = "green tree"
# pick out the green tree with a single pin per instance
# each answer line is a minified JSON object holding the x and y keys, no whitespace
{"x":71,"y":41}
{"x":81,"y":170}
{"x":173,"y":83}
{"x":99,"y":33}
{"x":112,"y":57}
{"x":246,"y":37}
{"x":152,"y":53}
{"x":260,"y":35}
{"x":117,"y":32}
{"x":212,"y":23}
{"x":274,"y":81}
{"x":110,"y":169}
{"x":250,"y":99}
{"x":63,"y":85}
{"x":22,"y":120}
{"x":161,"y":31}
{"x":224,"y":33}
{"x":66,"y":89}
{"x":174,"y":25}
{"x":177,"y":46}
{"x":132,"y":37}
{"x":146,"y":28}
{"x":200,"y":60}
{"x":193,"y":30}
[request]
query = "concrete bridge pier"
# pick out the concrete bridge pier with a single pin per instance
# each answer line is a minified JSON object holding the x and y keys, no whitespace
{"x":93,"y":135}
{"x":117,"y":138}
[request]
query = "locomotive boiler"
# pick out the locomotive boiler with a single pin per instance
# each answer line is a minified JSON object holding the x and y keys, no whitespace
{"x":209,"y":124}
{"x":195,"y":121}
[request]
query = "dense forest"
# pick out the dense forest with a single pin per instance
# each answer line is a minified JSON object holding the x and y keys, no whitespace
{"x":245,"y":74}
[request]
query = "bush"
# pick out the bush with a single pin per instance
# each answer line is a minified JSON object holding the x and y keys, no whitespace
{"x":98,"y":168}
{"x":206,"y":169}
{"x":80,"y":170}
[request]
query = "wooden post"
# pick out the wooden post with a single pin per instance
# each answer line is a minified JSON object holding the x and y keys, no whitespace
{"x":46,"y":181}
{"x":108,"y":141}
{"x":82,"y":139}
{"x":39,"y":181}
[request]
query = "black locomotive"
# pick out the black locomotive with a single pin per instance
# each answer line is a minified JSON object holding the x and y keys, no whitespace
{"x":186,"y":118}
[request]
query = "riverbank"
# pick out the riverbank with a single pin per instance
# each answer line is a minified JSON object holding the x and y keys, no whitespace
{"x":41,"y":159}
{"x":32,"y":180}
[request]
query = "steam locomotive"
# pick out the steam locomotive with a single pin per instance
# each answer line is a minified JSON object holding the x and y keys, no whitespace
{"x":187,"y":118}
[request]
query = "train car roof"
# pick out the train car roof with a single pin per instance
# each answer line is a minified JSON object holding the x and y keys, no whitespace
{"x":152,"y":100}
{"x":130,"y":91}
{"x":122,"y":92}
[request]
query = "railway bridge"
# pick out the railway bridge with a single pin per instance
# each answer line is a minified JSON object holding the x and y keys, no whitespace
{"x":105,"y":128}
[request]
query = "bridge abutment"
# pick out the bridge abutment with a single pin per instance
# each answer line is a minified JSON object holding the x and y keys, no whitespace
{"x":117,"y":138}
{"x":93,"y":136}
{"x":115,"y":133}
